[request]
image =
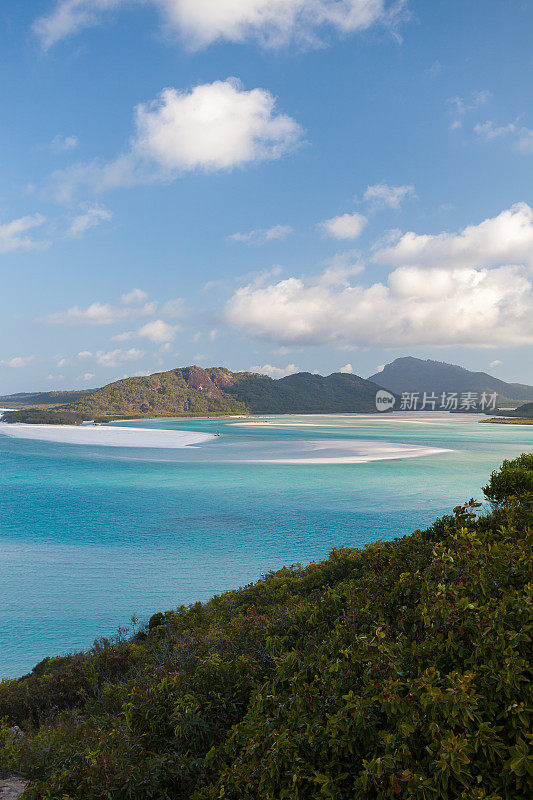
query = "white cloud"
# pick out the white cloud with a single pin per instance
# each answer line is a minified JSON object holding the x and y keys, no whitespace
{"x":173,"y":308}
{"x":18,"y":361}
{"x":385,"y":196}
{"x":521,"y":137}
{"x":262,"y":235}
{"x":200,"y":22}
{"x":135,"y":296}
{"x":158,"y":331}
{"x":123,"y":337}
{"x":460,"y":106}
{"x":418,"y":306}
{"x":62,"y":143}
{"x":341,"y":268}
{"x":114,"y":357}
{"x":214,"y":126}
{"x":275,"y":372}
{"x":346,"y":226}
{"x":87,"y":376}
{"x":380,"y":368}
{"x":84,"y":354}
{"x":12,"y":234}
{"x":469,"y":288}
{"x":496,"y":363}
{"x":89,"y":219}
{"x":490,"y":131}
{"x":504,"y":239}
{"x":524,"y":144}
{"x":347,"y":369}
{"x":98,"y":314}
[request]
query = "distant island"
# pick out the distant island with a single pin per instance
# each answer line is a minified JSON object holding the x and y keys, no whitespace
{"x":193,"y":391}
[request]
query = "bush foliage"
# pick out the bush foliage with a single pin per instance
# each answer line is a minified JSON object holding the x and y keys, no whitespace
{"x":401,"y":670}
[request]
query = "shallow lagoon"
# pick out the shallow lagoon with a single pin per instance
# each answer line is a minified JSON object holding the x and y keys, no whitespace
{"x":90,"y":535}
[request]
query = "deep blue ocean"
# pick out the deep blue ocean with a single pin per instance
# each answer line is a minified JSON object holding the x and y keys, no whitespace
{"x":90,"y":535}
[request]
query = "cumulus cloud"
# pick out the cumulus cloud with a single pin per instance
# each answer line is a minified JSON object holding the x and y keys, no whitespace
{"x":381,"y":195}
{"x":173,"y":308}
{"x":489,"y":130}
{"x":524,"y":143}
{"x":214,"y":126}
{"x":90,"y":218}
{"x":18,"y":361}
{"x":469,"y":288}
{"x":416,"y":307}
{"x":113,"y":358}
{"x":275,"y":372}
{"x":87,"y":376}
{"x":158,"y":331}
{"x":347,"y":369}
{"x":12,"y":234}
{"x":135,"y":296}
{"x":262,"y":235}
{"x":201,"y":22}
{"x":521,"y":137}
{"x":496,"y":363}
{"x":460,"y":106}
{"x":504,"y":239}
{"x":97,"y":314}
{"x":345,"y":226}
{"x":341,"y":268}
{"x":60,"y":144}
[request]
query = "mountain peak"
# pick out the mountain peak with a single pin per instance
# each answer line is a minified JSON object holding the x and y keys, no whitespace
{"x":410,"y":374}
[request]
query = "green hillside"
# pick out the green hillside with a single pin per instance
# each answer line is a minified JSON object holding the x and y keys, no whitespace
{"x":190,"y":391}
{"x":185,"y":391}
{"x":402,"y":670}
{"x":28,"y":399}
{"x":306,"y":393}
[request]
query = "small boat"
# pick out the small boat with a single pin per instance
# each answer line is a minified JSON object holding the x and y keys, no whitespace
{"x":217,"y":433}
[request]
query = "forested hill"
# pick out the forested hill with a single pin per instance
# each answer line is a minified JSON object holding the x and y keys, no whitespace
{"x":402,"y":670}
{"x":410,"y":374}
{"x":25,"y":399}
{"x":190,"y":391}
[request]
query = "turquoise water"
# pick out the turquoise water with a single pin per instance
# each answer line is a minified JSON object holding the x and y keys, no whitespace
{"x":91,"y":535}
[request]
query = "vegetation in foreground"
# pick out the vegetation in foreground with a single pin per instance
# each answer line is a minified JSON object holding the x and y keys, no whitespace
{"x":402,"y":670}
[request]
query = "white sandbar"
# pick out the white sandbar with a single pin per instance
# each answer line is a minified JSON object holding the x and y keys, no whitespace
{"x":105,"y":435}
{"x":355,"y":452}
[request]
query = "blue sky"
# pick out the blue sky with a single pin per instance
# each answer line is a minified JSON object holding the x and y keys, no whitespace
{"x":281,"y":185}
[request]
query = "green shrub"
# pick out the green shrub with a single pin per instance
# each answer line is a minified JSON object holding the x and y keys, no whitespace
{"x":513,"y":480}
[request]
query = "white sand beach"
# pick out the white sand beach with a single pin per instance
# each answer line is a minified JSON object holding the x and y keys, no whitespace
{"x":106,"y":436}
